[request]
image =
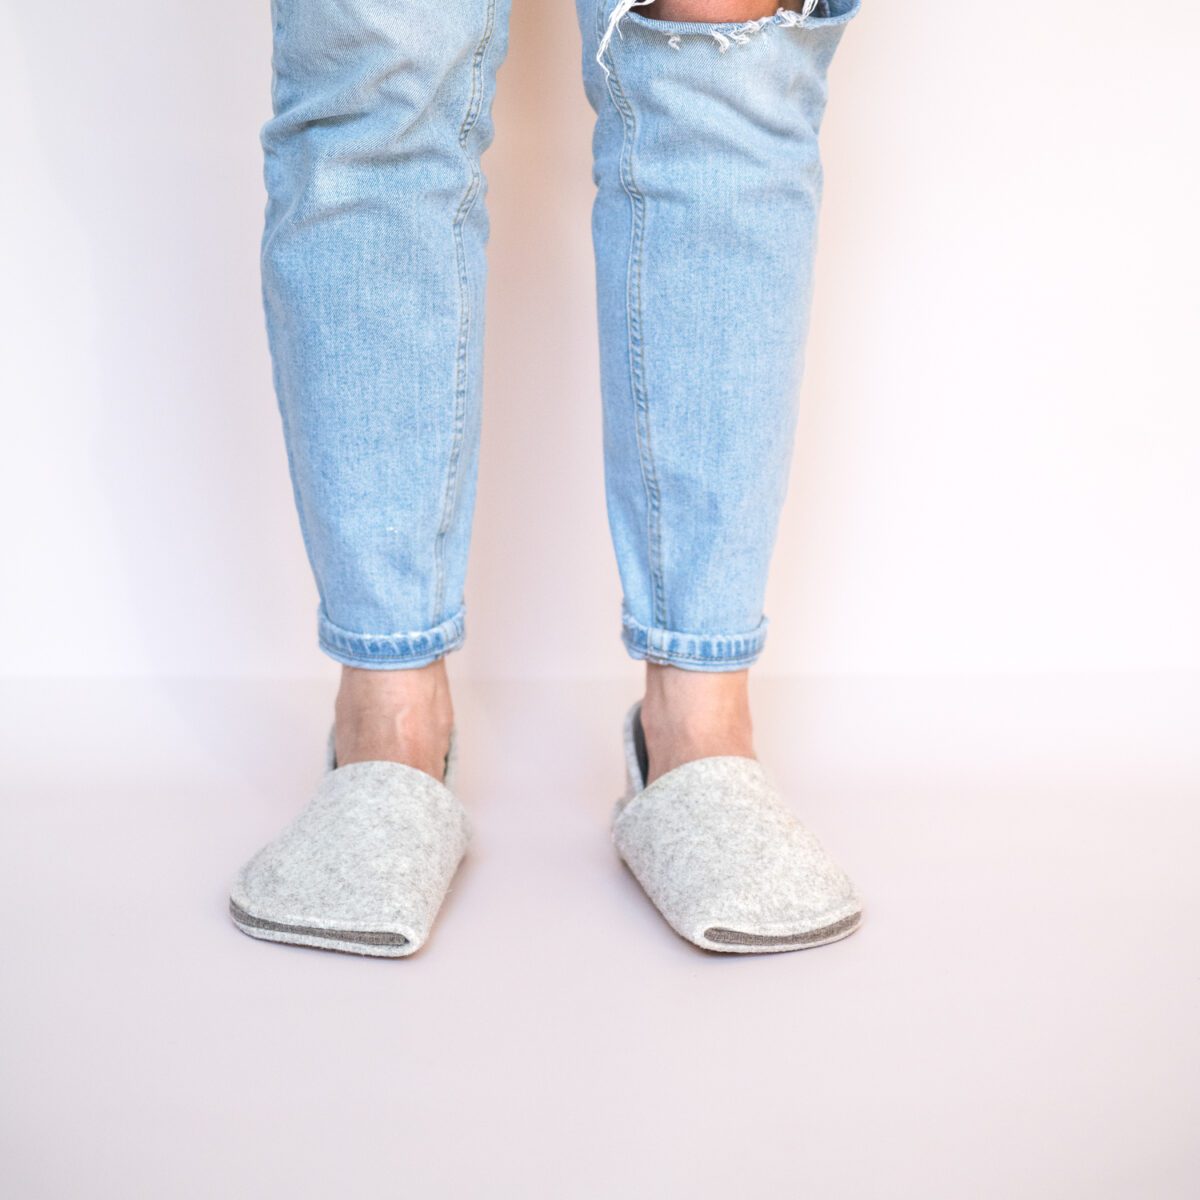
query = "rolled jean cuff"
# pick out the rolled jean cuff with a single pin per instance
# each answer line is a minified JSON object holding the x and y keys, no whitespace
{"x":390,"y":651}
{"x":693,"y":651}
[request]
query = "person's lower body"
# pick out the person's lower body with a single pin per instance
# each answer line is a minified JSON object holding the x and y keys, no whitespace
{"x":373,"y":264}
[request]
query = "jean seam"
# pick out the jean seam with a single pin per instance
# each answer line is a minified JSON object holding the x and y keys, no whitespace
{"x":277,"y":379}
{"x":297,"y":497}
{"x":671,"y":656}
{"x":731,"y":649}
{"x":474,"y":106}
{"x":654,"y":654}
{"x":435,"y":651}
{"x":633,"y":319}
{"x":435,"y":641}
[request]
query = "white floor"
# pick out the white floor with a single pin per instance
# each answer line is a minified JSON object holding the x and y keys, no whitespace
{"x":1019,"y":1015}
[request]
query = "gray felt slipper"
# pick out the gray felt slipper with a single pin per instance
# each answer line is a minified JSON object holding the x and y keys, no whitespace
{"x":723,"y":859}
{"x":364,"y":867}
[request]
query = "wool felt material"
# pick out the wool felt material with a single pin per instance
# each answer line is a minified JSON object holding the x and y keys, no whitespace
{"x":724,"y":860}
{"x":364,"y":867}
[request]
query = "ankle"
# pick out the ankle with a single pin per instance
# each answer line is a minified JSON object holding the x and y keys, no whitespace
{"x":414,"y":691}
{"x":695,"y":699}
{"x":695,"y":714}
{"x":395,"y":715}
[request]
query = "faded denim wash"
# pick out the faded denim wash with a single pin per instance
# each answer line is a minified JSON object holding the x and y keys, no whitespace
{"x":373,"y":264}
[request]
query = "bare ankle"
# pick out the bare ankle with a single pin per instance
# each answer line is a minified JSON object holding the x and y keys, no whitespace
{"x":698,"y":697}
{"x":695,"y":714}
{"x":394,"y":715}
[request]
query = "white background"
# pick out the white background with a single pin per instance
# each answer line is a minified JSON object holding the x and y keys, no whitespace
{"x":980,"y":687}
{"x":998,"y":464}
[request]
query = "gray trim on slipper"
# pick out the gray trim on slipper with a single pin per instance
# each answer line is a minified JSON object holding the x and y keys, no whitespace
{"x":360,"y":937}
{"x":728,"y":865}
{"x":363,"y":868}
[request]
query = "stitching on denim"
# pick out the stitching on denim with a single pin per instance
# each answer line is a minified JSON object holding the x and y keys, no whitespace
{"x":341,"y":653}
{"x":269,"y":234}
{"x":633,"y":318}
{"x":401,"y":647}
{"x":297,"y":497}
{"x":668,"y":657}
{"x":288,"y":441}
{"x":370,"y":654}
{"x":621,"y":9}
{"x":452,"y":622}
{"x":671,"y":656}
{"x":474,"y":107}
{"x":656,"y":644}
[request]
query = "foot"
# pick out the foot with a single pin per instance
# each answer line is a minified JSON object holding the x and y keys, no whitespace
{"x":394,"y":716}
{"x":694,"y":714}
{"x":724,"y":859}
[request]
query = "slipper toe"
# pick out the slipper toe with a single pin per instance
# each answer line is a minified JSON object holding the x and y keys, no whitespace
{"x":725,"y":861}
{"x":364,"y":868}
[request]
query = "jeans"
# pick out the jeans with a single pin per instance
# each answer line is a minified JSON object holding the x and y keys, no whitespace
{"x":708,"y":185}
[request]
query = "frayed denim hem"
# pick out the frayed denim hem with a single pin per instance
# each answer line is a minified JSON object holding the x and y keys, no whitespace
{"x":390,"y":651}
{"x":693,"y":651}
{"x":813,"y":14}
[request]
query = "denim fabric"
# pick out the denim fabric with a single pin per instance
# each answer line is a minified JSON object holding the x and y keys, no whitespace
{"x":373,"y":265}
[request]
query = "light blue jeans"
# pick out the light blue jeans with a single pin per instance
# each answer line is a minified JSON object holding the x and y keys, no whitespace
{"x":373,"y":263}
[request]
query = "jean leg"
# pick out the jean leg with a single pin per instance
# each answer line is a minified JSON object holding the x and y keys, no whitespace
{"x":373,"y":274}
{"x":708,"y":188}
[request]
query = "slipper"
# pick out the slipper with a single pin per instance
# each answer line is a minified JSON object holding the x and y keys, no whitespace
{"x":723,"y":859}
{"x":365,"y":866}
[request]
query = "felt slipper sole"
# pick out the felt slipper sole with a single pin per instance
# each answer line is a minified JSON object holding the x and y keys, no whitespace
{"x":361,"y":941}
{"x":785,"y":941}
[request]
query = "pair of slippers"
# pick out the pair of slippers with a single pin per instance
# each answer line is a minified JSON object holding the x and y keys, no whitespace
{"x":366,"y":865}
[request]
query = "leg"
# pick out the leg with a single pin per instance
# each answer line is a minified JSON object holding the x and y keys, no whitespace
{"x":373,"y":282}
{"x":708,"y":185}
{"x":714,"y":10}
